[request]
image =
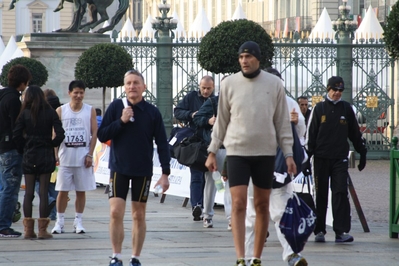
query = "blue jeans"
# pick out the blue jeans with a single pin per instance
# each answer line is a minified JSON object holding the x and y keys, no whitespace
{"x":10,"y":181}
{"x":196,"y":187}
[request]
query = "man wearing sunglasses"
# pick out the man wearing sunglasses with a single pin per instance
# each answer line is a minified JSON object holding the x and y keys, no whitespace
{"x":331,"y":123}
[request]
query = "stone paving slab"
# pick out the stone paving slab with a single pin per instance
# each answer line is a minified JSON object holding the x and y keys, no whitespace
{"x":173,"y":239}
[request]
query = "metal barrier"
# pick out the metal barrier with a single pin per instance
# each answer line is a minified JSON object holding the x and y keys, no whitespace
{"x":305,"y":66}
{"x":394,"y":191}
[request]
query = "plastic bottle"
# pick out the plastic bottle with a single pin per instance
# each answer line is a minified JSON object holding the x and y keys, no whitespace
{"x":218,"y":181}
{"x":158,"y":189}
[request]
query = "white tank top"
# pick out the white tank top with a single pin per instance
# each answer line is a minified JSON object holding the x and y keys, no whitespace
{"x":77,"y":126}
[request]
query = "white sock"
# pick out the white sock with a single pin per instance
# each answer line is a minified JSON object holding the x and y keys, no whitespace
{"x":78,"y":216}
{"x":136,"y":257}
{"x":116,"y":255}
{"x":60,"y":218}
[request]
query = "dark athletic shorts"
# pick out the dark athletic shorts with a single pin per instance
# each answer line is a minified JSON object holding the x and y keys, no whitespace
{"x":119,"y":187}
{"x":259,"y":168}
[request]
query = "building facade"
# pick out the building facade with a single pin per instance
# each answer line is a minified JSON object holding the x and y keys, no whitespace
{"x":271,"y":14}
{"x":37,"y":15}
{"x":31,"y":16}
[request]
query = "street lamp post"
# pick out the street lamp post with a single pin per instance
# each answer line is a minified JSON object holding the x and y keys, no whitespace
{"x":344,"y":28}
{"x":164,"y":35}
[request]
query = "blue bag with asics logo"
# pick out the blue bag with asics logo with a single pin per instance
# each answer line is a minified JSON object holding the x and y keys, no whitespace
{"x":297,"y":223}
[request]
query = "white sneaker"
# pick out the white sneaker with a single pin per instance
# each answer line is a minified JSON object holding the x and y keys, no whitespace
{"x":208,"y":223}
{"x":79,"y":229}
{"x":58,"y":229}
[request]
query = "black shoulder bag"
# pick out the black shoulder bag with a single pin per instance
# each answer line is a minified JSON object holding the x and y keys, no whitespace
{"x":192,"y":151}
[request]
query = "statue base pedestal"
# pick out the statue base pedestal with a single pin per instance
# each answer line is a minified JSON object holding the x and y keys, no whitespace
{"x":59,"y":52}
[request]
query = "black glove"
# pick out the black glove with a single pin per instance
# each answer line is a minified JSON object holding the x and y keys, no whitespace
{"x":362,"y":162}
{"x":307,"y":168}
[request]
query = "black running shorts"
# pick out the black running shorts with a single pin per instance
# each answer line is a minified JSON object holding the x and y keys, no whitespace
{"x":119,"y":186}
{"x":259,"y":168}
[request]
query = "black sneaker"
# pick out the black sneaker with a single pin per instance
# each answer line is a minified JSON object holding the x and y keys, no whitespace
{"x":134,"y":262}
{"x":241,"y":262}
{"x":343,"y":238}
{"x":17,"y":214}
{"x":320,"y":238}
{"x":115,"y":262}
{"x":9,"y":232}
{"x":296,"y":260}
{"x":197,"y":211}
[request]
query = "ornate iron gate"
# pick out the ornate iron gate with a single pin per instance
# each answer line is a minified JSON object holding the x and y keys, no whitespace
{"x":305,"y":67}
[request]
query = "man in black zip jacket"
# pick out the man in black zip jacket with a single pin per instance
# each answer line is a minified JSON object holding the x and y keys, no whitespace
{"x":331,"y":123}
{"x":10,"y":159}
{"x":185,"y":111}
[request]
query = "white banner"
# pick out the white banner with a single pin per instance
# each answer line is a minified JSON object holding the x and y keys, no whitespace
{"x":179,"y":177}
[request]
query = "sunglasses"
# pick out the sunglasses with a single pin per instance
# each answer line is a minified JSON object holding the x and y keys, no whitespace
{"x":337,"y":89}
{"x":134,"y":72}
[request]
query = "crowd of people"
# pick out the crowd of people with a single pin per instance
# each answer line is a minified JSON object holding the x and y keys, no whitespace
{"x":247,"y":125}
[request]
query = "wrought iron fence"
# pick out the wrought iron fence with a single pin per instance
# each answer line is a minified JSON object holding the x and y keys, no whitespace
{"x":305,"y":66}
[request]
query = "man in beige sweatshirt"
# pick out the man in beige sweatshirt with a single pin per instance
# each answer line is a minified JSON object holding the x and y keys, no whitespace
{"x":252,"y":121}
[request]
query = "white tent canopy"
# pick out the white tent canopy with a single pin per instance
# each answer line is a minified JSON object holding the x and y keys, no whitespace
{"x":147,"y":30}
{"x":369,"y":27}
{"x":126,"y":31}
{"x":179,"y":31}
{"x":17,"y":53}
{"x":2,"y":46}
{"x":8,"y":52}
{"x":239,"y":13}
{"x":200,"y":25}
{"x":323,"y":28}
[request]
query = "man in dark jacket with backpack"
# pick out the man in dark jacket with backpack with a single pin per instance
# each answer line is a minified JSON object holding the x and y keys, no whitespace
{"x":185,"y":111}
{"x":331,"y":123}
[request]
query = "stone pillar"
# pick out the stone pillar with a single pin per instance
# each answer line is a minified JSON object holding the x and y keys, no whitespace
{"x":59,"y":52}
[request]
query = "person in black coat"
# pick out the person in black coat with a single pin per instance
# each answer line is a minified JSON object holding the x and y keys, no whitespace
{"x":185,"y":112}
{"x":33,"y":134}
{"x":331,"y":124}
{"x":54,"y":101}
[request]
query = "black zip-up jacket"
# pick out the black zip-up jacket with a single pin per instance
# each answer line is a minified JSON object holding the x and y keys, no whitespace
{"x":10,"y":106}
{"x":201,"y":118}
{"x":132,"y":146}
{"x":330,"y":125}
{"x":191,"y":103}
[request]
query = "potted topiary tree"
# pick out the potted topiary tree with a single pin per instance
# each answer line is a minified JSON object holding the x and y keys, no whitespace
{"x":37,"y":69}
{"x":391,"y":32}
{"x":219,"y":47}
{"x":102,"y":66}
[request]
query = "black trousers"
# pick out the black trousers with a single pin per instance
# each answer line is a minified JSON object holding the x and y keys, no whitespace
{"x":337,"y":172}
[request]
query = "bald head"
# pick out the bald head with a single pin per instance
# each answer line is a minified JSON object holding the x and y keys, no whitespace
{"x":207,"y":85}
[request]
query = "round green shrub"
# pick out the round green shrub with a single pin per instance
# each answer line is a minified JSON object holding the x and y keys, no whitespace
{"x":218,"y":51}
{"x":103,"y":65}
{"x":391,"y":32}
{"x":37,"y":69}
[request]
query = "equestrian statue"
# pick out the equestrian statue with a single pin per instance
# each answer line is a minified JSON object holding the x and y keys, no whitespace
{"x":95,"y":7}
